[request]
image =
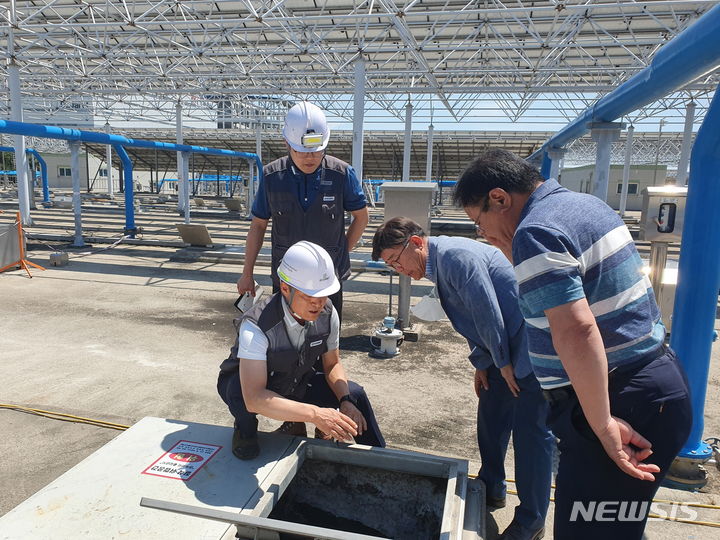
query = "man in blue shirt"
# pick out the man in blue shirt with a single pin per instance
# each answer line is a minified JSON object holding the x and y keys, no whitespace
{"x":478,"y":291}
{"x":306,"y":195}
{"x":618,"y":397}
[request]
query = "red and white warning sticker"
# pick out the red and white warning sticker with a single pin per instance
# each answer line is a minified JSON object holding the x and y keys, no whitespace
{"x":183,"y":460}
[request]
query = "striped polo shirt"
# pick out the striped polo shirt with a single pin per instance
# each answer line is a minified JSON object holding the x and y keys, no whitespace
{"x":569,"y":246}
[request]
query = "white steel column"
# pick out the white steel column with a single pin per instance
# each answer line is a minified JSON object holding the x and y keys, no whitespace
{"x":21,"y":164}
{"x":626,"y":170}
{"x":108,"y":160}
{"x":556,"y":156}
{"x":258,"y":134}
{"x":251,"y":165}
{"x":408,"y":142}
{"x":186,"y":184}
{"x":428,"y":161}
{"x":682,"y":171}
{"x":358,"y":119}
{"x":603,"y":134}
{"x":77,"y":202}
{"x":181,"y":165}
{"x":31,"y":181}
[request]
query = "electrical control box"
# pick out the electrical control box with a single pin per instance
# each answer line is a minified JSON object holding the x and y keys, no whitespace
{"x":409,"y":199}
{"x":663,"y":213}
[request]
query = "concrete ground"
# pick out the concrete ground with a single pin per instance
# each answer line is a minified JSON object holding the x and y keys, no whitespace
{"x":124,"y":333}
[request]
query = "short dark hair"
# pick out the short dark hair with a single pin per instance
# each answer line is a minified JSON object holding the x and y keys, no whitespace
{"x":394,"y":232}
{"x":495,"y":169}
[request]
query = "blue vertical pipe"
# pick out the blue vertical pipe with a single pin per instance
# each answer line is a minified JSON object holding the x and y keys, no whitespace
{"x":699,"y":272}
{"x":43,"y":175}
{"x":546,"y":165}
{"x":130,"y":228}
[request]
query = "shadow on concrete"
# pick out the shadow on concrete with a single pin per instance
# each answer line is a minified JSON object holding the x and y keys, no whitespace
{"x":356,"y":343}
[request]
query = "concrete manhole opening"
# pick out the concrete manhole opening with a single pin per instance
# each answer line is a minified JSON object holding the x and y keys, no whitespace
{"x":363,"y":500}
{"x":376,"y":493}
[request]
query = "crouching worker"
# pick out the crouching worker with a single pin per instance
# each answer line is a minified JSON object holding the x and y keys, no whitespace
{"x":279,"y":340}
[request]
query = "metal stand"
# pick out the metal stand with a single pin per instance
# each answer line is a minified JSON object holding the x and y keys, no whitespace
{"x":658,"y":259}
{"x":22,"y":262}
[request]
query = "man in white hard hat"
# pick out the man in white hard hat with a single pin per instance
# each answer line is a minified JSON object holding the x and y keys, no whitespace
{"x":306,"y":195}
{"x":280,"y":339}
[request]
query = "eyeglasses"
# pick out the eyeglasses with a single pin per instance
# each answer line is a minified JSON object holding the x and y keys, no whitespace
{"x":482,"y":209}
{"x":394,"y":264}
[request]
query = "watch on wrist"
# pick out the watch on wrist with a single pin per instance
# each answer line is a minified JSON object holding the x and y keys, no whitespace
{"x":348,"y":397}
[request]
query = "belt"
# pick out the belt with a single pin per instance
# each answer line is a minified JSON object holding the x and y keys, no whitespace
{"x":632,"y":367}
{"x":556,"y":395}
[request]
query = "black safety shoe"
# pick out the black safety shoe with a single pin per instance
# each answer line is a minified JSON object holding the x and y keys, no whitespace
{"x":245,"y":448}
{"x":515,"y":531}
{"x":495,"y":502}
{"x":297,"y":429}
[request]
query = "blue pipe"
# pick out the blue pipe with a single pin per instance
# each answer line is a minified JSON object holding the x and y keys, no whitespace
{"x":689,"y":55}
{"x":54,"y":132}
{"x":130,"y":228}
{"x":43,"y":170}
{"x":43,"y":175}
{"x":699,"y":273}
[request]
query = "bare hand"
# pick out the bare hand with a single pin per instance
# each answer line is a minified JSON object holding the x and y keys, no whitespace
{"x":628,"y":449}
{"x":481,"y":381}
{"x":334,"y":423}
{"x":246,"y":284}
{"x":354,"y":413}
{"x":509,"y":375}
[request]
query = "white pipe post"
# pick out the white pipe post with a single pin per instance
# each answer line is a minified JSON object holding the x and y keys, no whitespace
{"x":108,"y":152}
{"x":181,"y":166}
{"x":408,"y":142}
{"x":31,"y":181}
{"x":258,"y":134}
{"x":682,"y":172}
{"x":77,"y":202}
{"x":358,"y":118}
{"x":603,"y":134}
{"x":21,"y":164}
{"x":186,"y":185}
{"x":556,"y":156}
{"x":258,"y":151}
{"x":428,"y":160}
{"x":403,"y":321}
{"x":626,"y":170}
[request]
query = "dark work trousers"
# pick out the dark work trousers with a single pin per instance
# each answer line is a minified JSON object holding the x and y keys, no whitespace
{"x":499,"y":414}
{"x":318,"y":394}
{"x":654,"y":400}
{"x":336,"y":299}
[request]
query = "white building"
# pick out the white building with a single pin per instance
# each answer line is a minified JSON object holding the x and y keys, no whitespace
{"x":580,"y":179}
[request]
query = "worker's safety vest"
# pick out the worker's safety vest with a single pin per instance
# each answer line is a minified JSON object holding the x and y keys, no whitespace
{"x":289,"y":370}
{"x":323,"y":223}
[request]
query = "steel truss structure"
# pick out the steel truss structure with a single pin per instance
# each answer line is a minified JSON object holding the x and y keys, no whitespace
{"x":452,"y":150}
{"x":464,"y":63}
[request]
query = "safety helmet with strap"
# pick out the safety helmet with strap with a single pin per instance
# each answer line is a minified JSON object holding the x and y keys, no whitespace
{"x":306,"y":128}
{"x":308,"y":268}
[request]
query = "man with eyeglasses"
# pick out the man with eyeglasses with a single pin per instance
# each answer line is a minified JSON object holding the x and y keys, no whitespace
{"x":306,"y":195}
{"x":478,"y":291}
{"x":619,"y":401}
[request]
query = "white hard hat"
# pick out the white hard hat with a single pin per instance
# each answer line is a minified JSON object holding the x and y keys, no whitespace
{"x":306,"y":128}
{"x":308,"y":268}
